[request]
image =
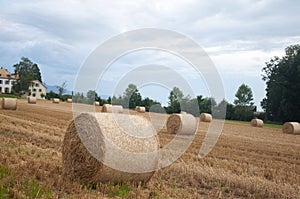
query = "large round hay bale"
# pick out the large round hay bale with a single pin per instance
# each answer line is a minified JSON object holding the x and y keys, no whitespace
{"x":291,"y":127}
{"x":69,"y":100}
{"x":137,"y":108}
{"x":257,"y":123}
{"x":108,"y":108}
{"x":141,"y":109}
{"x":185,"y":124}
{"x":205,"y":117}
{"x":96,"y":103}
{"x":55,"y":100}
{"x":9,"y":103}
{"x":31,"y":100}
{"x":111,"y":139}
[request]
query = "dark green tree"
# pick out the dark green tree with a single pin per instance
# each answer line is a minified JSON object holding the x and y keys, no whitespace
{"x":175,"y":98}
{"x":26,"y":71}
{"x":243,"y":103}
{"x":282,"y":77}
{"x":91,"y":96}
{"x":131,"y":97}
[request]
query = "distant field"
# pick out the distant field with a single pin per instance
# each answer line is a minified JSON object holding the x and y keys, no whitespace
{"x":247,"y":162}
{"x":8,"y":96}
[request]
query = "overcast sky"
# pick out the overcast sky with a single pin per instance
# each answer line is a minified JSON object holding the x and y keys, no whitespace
{"x":239,"y":36}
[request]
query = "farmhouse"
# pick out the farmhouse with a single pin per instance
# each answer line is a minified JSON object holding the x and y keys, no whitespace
{"x":37,"y":89}
{"x":6,"y":81}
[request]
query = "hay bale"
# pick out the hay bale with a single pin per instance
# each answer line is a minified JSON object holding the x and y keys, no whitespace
{"x":96,"y":103}
{"x":31,"y":100}
{"x":55,"y":100}
{"x":182,"y":124}
{"x":141,"y":109}
{"x":257,"y":123}
{"x":205,"y":117}
{"x":9,"y":103}
{"x":137,"y":108}
{"x":291,"y":127}
{"x":183,"y":112}
{"x":108,"y":108}
{"x":69,"y":100}
{"x":115,"y":147}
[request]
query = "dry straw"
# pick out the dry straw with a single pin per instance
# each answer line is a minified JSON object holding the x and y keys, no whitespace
{"x":69,"y":100}
{"x":257,"y":123}
{"x":9,"y":103}
{"x":103,"y":133}
{"x":55,"y":100}
{"x":140,"y":109}
{"x":96,"y":103}
{"x":31,"y":100}
{"x":185,"y":124}
{"x":108,"y":108}
{"x":205,"y":117}
{"x":291,"y":127}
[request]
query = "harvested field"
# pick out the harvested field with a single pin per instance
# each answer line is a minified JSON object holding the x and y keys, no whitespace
{"x":246,"y":162}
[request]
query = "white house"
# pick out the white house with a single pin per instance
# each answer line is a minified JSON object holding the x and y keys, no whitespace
{"x":6,"y":81}
{"x":37,"y":89}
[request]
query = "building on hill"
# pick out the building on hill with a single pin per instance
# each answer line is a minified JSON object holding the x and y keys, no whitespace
{"x":6,"y":81}
{"x":37,"y":89}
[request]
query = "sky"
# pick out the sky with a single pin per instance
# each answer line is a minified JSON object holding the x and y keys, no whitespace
{"x":238,"y":36}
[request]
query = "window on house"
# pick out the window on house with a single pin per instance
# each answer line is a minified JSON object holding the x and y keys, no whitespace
{"x":1,"y":82}
{"x":34,"y":90}
{"x":6,"y":90}
{"x":37,"y":85}
{"x":40,"y":90}
{"x":0,"y":75}
{"x":0,"y":89}
{"x":6,"y":82}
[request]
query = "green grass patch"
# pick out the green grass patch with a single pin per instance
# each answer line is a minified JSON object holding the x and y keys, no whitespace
{"x":269,"y":125}
{"x":120,"y":190}
{"x":9,"y":96}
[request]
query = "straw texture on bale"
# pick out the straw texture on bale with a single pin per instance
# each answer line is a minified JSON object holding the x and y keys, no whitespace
{"x":257,"y":123}
{"x":96,"y":103}
{"x":184,"y":124}
{"x":31,"y":100}
{"x":9,"y":103}
{"x":205,"y":117}
{"x":137,"y":108}
{"x":55,"y":100}
{"x":69,"y":100}
{"x":108,"y":108}
{"x":141,"y":109}
{"x":291,"y":128}
{"x":103,"y":132}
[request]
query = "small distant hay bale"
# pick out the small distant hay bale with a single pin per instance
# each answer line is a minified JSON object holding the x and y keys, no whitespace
{"x":9,"y":103}
{"x":96,"y":103}
{"x":137,"y":108}
{"x":257,"y":123}
{"x":291,"y":128}
{"x":55,"y":100}
{"x":184,"y":124}
{"x":105,"y":133}
{"x":108,"y":108}
{"x":205,"y":117}
{"x":141,"y":109}
{"x":69,"y":100}
{"x":31,"y":100}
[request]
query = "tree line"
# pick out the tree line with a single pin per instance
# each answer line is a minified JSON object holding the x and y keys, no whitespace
{"x":282,"y":101}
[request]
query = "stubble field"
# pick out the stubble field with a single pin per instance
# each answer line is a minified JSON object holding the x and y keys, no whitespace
{"x":246,"y":162}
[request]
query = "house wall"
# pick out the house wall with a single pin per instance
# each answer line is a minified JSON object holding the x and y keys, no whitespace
{"x":6,"y":85}
{"x":37,"y":89}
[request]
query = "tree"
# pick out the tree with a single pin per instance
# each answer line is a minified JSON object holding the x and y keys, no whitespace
{"x":175,"y":98}
{"x":244,"y":96}
{"x":131,"y":97}
{"x":62,"y":88}
{"x":282,"y":77}
{"x":91,"y":96}
{"x":26,"y":71}
{"x":243,"y":109}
